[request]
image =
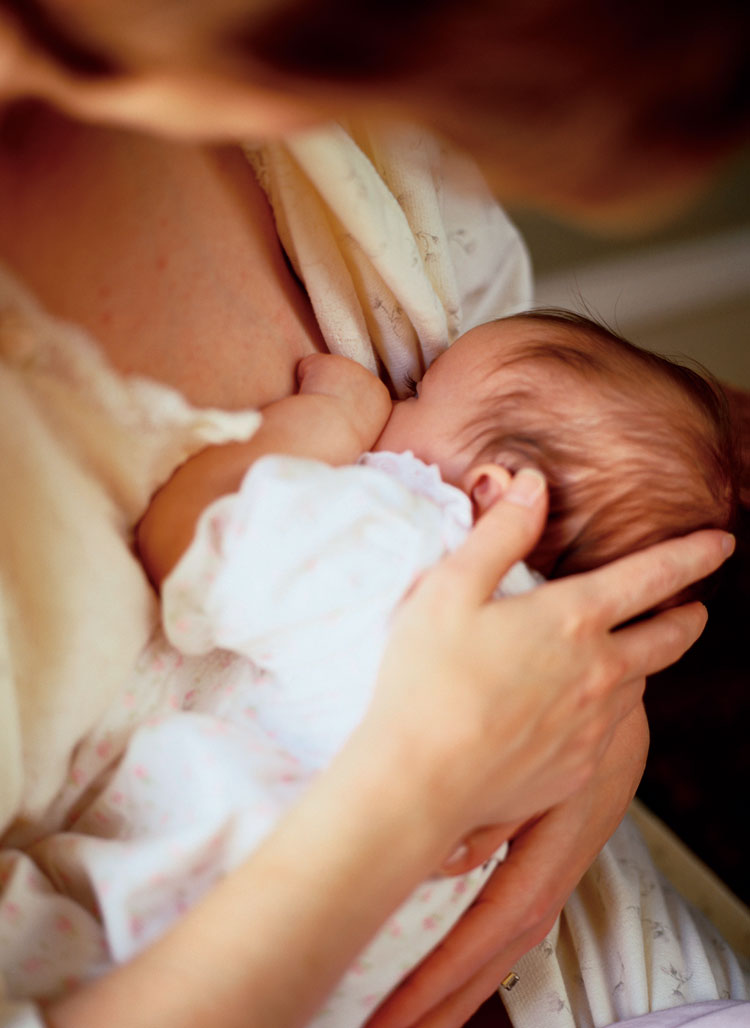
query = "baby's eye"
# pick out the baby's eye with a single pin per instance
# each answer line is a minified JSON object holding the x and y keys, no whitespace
{"x":410,"y":386}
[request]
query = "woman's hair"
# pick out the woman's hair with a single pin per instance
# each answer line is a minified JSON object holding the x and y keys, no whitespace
{"x":53,"y":36}
{"x":590,"y":98}
{"x":607,"y":90}
{"x":635,"y":448}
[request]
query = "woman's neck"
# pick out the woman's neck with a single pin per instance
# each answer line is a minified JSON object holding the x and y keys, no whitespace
{"x":165,"y":252}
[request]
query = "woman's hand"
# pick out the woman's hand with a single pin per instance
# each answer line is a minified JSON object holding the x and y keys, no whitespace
{"x":522,"y":900}
{"x":531,"y":686}
{"x":550,"y":687}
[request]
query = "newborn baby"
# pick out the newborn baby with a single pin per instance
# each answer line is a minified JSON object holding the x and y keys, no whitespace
{"x":634,"y":448}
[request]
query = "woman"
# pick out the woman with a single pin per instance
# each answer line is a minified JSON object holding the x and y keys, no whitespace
{"x":208,"y":214}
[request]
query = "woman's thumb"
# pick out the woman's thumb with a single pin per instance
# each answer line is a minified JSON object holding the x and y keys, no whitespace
{"x":509,"y":526}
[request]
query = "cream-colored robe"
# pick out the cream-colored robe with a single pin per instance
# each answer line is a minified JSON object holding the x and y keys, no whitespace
{"x":81,"y":452}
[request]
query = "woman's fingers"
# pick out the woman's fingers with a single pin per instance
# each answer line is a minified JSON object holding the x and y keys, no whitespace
{"x":520,"y":902}
{"x":504,"y":534}
{"x":639,"y":582}
{"x":652,"y":645}
{"x":471,"y":961}
{"x":512,"y":914}
{"x":456,"y":1009}
{"x":476,"y":848}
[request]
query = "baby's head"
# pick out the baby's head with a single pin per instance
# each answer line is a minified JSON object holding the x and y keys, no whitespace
{"x":635,"y":449}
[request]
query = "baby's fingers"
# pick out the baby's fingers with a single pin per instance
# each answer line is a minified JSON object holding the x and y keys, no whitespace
{"x":504,"y":534}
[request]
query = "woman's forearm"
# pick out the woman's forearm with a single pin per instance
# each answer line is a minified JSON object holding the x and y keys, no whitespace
{"x":267,"y":944}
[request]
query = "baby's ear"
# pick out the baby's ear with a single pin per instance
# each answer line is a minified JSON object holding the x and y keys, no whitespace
{"x":484,"y":484}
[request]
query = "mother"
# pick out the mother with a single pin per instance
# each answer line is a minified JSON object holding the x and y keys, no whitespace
{"x":166,"y":252}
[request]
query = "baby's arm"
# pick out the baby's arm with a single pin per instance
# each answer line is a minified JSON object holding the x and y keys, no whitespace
{"x":337,"y":414}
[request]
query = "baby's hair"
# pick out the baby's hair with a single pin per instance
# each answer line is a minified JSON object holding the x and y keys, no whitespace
{"x":642,"y":449}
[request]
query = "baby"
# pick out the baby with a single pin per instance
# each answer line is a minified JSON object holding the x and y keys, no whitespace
{"x":303,"y":562}
{"x":635,"y":448}
{"x":279,"y":583}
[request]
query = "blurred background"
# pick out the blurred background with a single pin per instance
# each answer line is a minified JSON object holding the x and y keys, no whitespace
{"x":683,"y":290}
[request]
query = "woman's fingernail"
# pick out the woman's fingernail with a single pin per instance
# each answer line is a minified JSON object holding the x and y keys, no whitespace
{"x":527,"y":486}
{"x":456,"y":856}
{"x":482,"y":485}
{"x":728,"y":544}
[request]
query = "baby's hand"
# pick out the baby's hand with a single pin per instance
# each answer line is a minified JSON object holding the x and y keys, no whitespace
{"x":353,"y":395}
{"x":360,"y":397}
{"x":339,"y":413}
{"x":331,"y":375}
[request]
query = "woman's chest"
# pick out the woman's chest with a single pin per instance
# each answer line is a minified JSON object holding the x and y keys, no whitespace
{"x":167,"y":254}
